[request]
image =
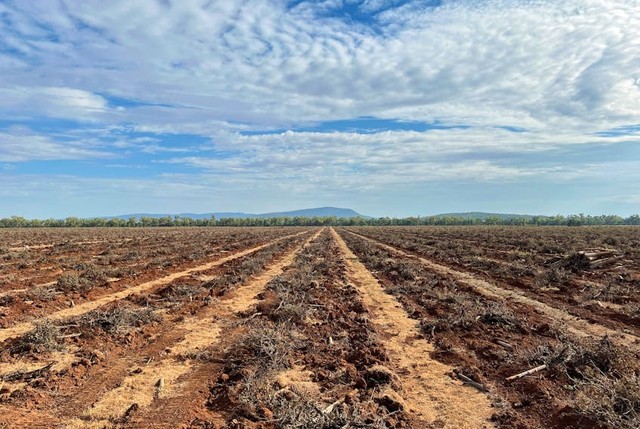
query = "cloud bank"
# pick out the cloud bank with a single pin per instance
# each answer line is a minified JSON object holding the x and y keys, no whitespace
{"x":510,"y":91}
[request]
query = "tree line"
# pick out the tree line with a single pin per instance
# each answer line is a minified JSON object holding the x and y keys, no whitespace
{"x":168,"y":221}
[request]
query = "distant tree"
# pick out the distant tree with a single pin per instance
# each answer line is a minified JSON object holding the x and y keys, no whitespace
{"x":633,"y":220}
{"x":72,"y":221}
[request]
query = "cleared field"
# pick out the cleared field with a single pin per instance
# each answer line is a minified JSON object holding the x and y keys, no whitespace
{"x":498,"y":301}
{"x":320,"y":328}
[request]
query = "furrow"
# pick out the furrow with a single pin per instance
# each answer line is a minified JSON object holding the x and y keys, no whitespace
{"x":427,"y":388}
{"x":22,"y":328}
{"x":171,"y":381}
{"x":574,"y":325}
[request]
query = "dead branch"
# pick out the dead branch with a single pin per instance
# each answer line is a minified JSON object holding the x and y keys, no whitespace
{"x":74,"y":335}
{"x":607,"y":261}
{"x":504,"y":344}
{"x":330,"y":408}
{"x":469,"y":381}
{"x":527,"y":372}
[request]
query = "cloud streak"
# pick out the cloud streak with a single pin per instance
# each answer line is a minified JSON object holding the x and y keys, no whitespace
{"x":19,"y":144}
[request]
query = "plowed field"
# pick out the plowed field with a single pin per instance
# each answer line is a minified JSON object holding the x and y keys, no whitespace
{"x":320,"y":328}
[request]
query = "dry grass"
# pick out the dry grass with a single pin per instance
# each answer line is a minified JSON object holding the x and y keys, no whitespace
{"x":44,"y":338}
{"x":615,"y":401}
{"x":72,"y":282}
{"x":86,"y":276}
{"x":261,"y":398}
{"x":177,"y":293}
{"x":264,"y":345}
{"x":604,"y":376}
{"x":552,"y":277}
{"x":464,"y":312}
{"x":42,"y":293}
{"x":21,"y":256}
{"x":609,"y":383}
{"x":292,"y":299}
{"x":118,"y":319}
{"x":6,"y":300}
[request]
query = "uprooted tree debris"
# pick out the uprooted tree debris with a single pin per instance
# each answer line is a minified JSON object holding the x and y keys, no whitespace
{"x":586,"y":259}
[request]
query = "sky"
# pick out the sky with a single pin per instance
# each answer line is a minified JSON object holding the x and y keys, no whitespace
{"x":389,"y":107}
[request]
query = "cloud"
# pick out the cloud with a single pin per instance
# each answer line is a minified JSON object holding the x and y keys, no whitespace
{"x":19,"y":144}
{"x":564,"y":73}
{"x":54,"y":102}
{"x":532,"y":64}
{"x":39,"y":195}
{"x":344,"y":160}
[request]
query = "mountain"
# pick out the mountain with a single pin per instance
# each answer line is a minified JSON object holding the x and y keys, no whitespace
{"x":315,"y":212}
{"x":483,"y":215}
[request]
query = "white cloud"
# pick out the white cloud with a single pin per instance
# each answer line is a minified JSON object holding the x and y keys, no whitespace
{"x":347,"y":160}
{"x":75,"y":99}
{"x":19,"y":144}
{"x":533,"y":64}
{"x":563,"y":70}
{"x":55,"y":102}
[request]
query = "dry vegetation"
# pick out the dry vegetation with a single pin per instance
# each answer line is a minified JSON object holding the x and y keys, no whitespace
{"x":284,"y":368}
{"x":269,"y":328}
{"x":488,"y":341}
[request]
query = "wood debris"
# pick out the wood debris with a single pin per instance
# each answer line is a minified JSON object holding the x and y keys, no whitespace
{"x":586,"y":259}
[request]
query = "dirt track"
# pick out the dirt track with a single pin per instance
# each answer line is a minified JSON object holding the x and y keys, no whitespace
{"x":427,"y":388}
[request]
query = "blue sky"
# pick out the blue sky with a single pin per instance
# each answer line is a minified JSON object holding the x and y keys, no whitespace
{"x":390,"y":107}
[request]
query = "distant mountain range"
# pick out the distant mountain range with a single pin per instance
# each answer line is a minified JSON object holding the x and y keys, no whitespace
{"x":483,"y":215}
{"x":315,"y":212}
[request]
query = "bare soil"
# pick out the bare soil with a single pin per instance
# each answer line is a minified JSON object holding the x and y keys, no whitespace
{"x":318,"y":328}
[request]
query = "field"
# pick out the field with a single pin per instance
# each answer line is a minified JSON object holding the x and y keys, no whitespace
{"x":358,"y":327}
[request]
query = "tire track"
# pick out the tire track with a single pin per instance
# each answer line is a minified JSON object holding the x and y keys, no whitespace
{"x":574,"y":325}
{"x":23,"y":328}
{"x":427,"y":389}
{"x":166,"y":387}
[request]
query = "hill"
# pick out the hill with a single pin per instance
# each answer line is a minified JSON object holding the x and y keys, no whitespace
{"x":314,"y":212}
